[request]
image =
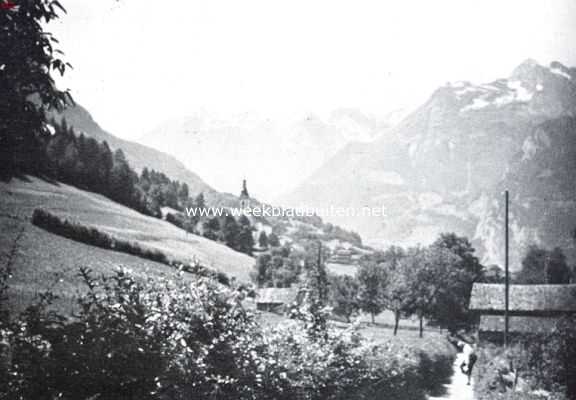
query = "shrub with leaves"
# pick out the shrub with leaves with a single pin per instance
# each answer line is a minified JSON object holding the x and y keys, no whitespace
{"x":133,"y":340}
{"x":172,"y":339}
{"x":536,"y":366}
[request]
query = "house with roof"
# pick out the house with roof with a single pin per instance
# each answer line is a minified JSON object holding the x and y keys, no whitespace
{"x":341,"y":256}
{"x":532,"y":309}
{"x":276,"y":300}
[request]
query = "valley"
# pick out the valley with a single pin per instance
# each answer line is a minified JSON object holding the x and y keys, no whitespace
{"x":311,"y":200}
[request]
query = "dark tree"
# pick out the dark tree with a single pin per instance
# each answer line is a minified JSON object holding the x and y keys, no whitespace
{"x":245,"y":239}
{"x":230,"y":232}
{"x":211,"y":228}
{"x":372,"y":280}
{"x":183,"y":193}
{"x":281,"y":267}
{"x":27,"y":89}
{"x":467,"y":270}
{"x":263,"y":240}
{"x":273,"y":240}
{"x":398,"y":294}
{"x":460,"y":246}
{"x":263,"y":271}
{"x":317,"y":275}
{"x":199,"y":204}
{"x":557,"y":269}
{"x":122,"y":180}
{"x":199,"y":201}
{"x":433,"y":277}
{"x":104,"y":167}
{"x":544,"y":266}
{"x":344,"y":295}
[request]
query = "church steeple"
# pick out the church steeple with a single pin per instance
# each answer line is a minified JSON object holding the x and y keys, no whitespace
{"x":244,"y":192}
{"x":244,"y":196}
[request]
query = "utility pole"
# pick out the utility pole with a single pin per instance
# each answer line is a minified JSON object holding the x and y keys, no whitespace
{"x":321,"y":276}
{"x":507,"y":273}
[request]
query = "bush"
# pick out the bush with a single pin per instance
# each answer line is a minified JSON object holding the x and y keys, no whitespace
{"x":173,"y":340}
{"x":535,"y":365}
{"x":165,"y":340}
{"x":408,"y":374}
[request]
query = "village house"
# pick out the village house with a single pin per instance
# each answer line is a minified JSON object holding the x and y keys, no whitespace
{"x":341,"y":256}
{"x":532,"y":309}
{"x":276,"y":300}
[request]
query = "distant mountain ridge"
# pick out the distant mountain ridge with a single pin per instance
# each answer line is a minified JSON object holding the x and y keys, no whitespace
{"x":224,"y":149}
{"x":138,"y":155}
{"x":445,"y":166}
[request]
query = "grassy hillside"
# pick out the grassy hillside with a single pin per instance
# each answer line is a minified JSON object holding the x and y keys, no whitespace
{"x":45,"y":260}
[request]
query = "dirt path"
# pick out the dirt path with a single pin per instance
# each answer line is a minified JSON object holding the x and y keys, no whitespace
{"x":457,"y":389}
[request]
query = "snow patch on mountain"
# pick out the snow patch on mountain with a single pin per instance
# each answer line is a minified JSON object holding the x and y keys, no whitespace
{"x":477,"y":104}
{"x":496,"y":95}
{"x":560,"y":72}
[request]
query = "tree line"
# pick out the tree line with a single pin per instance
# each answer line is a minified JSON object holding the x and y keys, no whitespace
{"x":86,"y":163}
{"x":432,"y":282}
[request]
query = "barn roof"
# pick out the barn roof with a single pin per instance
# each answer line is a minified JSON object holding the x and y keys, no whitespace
{"x":490,"y":297}
{"x":276,"y":295}
{"x":518,"y":324}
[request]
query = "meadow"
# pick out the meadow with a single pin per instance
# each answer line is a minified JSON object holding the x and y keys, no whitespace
{"x":44,"y":261}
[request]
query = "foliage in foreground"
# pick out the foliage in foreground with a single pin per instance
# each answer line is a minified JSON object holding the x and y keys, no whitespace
{"x":536,"y":367}
{"x":176,"y":340}
{"x":29,"y":58}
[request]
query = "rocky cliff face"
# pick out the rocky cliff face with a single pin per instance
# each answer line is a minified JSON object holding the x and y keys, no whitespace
{"x":445,"y":166}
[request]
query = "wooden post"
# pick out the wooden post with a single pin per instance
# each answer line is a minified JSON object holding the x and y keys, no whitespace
{"x":421,"y":326}
{"x":507,"y":274}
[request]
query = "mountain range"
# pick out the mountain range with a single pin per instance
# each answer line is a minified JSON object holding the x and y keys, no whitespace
{"x":224,"y":149}
{"x":446,"y":165}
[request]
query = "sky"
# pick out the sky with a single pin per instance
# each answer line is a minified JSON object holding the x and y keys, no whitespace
{"x":138,"y":63}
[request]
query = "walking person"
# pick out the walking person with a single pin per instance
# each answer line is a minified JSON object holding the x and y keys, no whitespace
{"x":468,"y":356}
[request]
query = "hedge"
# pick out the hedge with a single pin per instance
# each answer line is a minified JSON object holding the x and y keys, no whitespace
{"x":92,"y":236}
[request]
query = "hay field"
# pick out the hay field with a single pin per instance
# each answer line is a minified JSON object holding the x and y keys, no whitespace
{"x":44,"y":260}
